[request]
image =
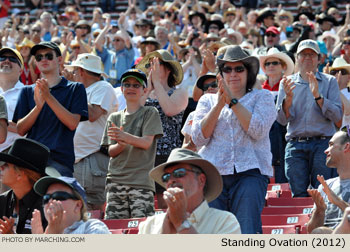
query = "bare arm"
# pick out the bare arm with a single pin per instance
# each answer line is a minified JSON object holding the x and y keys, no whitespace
{"x":317,"y":218}
{"x":95,"y":111}
{"x":3,"y":130}
{"x":99,"y":39}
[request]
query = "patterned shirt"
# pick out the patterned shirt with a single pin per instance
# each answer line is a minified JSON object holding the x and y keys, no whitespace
{"x":230,"y":147}
{"x":171,"y":128}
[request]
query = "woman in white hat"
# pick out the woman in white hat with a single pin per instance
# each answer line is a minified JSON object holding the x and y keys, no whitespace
{"x":30,"y":71}
{"x":275,"y":64}
{"x":232,"y":130}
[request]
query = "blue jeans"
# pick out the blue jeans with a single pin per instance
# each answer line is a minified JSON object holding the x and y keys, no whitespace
{"x":303,"y":162}
{"x":243,"y":195}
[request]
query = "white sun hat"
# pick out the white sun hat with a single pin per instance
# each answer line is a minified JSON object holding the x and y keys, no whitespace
{"x":275,"y":53}
{"x":87,"y":61}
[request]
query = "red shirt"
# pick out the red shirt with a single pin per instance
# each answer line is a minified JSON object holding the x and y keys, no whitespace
{"x":26,"y":77}
{"x":267,"y":86}
{"x":3,"y":11}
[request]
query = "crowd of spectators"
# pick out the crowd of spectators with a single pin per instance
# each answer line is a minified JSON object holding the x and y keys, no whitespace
{"x":257,"y":92}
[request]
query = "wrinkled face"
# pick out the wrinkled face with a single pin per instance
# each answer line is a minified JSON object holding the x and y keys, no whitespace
{"x":9,"y":64}
{"x":161,"y":35}
{"x":307,"y":60}
{"x":118,"y":43}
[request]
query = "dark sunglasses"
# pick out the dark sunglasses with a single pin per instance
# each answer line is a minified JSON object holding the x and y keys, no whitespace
{"x":237,"y":69}
{"x":59,"y":195}
{"x":48,"y":56}
{"x":127,"y":85}
{"x":148,"y":65}
{"x":342,"y":71}
{"x":274,"y":63}
{"x":178,"y":173}
{"x":270,"y":35}
{"x":83,"y":27}
{"x":210,"y":85}
{"x":214,"y":27}
{"x":10,"y":58}
{"x":347,"y":42}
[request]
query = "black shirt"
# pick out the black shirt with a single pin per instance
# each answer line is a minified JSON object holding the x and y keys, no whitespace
{"x":27,"y":205}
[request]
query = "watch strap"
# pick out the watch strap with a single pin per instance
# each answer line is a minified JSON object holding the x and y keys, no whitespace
{"x":319,"y":98}
{"x":185,"y":225}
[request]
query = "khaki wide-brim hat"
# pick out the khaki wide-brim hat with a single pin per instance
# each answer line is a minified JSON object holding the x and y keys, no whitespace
{"x":340,"y":63}
{"x":25,"y":43}
{"x":165,"y":56}
{"x":87,"y":61}
{"x":180,"y":155}
{"x":275,"y":53}
{"x":330,"y":34}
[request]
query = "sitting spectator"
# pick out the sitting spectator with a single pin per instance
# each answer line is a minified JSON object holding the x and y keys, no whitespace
{"x":24,"y":164}
{"x":131,"y":138}
{"x":333,"y":195}
{"x":191,"y":182}
{"x":64,"y":208}
{"x":344,"y":226}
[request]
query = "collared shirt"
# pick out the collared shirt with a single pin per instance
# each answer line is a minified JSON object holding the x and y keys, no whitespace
{"x":267,"y":86}
{"x":306,"y":118}
{"x":346,"y":118}
{"x":230,"y":147}
{"x":27,"y":205}
{"x":91,"y":226}
{"x":11,"y":97}
{"x":204,"y":219}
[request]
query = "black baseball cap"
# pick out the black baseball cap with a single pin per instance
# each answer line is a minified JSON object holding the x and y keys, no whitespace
{"x":43,"y":45}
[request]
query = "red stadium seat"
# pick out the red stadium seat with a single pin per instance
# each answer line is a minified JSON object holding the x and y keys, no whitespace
{"x":306,"y":201}
{"x":123,"y":223}
{"x":278,"y":187}
{"x":287,"y":219}
{"x":282,"y":229}
{"x":274,"y":210}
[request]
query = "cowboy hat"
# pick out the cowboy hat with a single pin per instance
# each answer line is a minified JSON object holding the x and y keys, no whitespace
{"x":235,"y":53}
{"x":275,"y":53}
{"x":151,"y":40}
{"x":329,"y":34}
{"x":340,"y":63}
{"x":201,"y":79}
{"x":29,"y":154}
{"x":229,"y":11}
{"x":196,"y":13}
{"x":218,"y":23}
{"x":165,"y":56}
{"x":237,"y":35}
{"x":285,"y":13}
{"x":264,"y":13}
{"x":324,"y":17}
{"x":180,"y":155}
{"x":87,"y":61}
{"x":25,"y":43}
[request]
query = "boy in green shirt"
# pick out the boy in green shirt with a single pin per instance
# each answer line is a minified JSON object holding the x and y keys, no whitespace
{"x":131,"y":137}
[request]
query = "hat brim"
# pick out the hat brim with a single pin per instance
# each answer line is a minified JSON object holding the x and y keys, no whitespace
{"x":201,"y":79}
{"x":282,"y":56}
{"x":137,"y":75}
{"x":176,"y":67}
{"x":39,"y":47}
{"x":91,"y":69}
{"x":213,"y":178}
{"x":252,"y":61}
{"x":8,"y":158}
{"x":16,"y":52}
{"x":40,"y":187}
{"x":307,"y":47}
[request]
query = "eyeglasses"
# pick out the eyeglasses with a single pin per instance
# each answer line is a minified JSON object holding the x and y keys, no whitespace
{"x":128,"y":85}
{"x":83,"y":27}
{"x":237,"y":69}
{"x":274,"y":63}
{"x":210,"y":85}
{"x":214,"y":27}
{"x":304,"y":55}
{"x":283,"y":17}
{"x":48,"y":56}
{"x":59,"y":195}
{"x":178,"y":173}
{"x":270,"y":35}
{"x":342,"y":71}
{"x":10,"y":58}
{"x":148,"y":65}
{"x":117,"y":40}
{"x":35,"y":30}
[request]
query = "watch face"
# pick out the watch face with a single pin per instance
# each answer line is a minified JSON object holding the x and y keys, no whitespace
{"x":234,"y":101}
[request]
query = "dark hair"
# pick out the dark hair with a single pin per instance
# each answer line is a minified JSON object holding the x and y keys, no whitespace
{"x":92,"y":73}
{"x":171,"y":79}
{"x":344,"y":138}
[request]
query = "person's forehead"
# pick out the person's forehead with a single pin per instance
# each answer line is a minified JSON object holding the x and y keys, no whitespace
{"x":54,"y":187}
{"x":171,"y":168}
{"x":131,"y":80}
{"x":308,"y":50}
{"x":8,"y":53}
{"x":233,"y":64}
{"x":44,"y":50}
{"x":272,"y":59}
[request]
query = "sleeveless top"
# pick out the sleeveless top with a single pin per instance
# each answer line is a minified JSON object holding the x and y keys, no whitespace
{"x":171,"y":128}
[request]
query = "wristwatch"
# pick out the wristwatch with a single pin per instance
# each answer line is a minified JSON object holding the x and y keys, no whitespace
{"x":234,"y":101}
{"x":319,"y":98}
{"x":185,"y":225}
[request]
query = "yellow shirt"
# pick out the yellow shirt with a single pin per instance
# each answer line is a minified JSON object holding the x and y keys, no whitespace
{"x":204,"y":219}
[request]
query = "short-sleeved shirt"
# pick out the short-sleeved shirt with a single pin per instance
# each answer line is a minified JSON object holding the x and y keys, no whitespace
{"x":3,"y":108}
{"x":132,"y":165}
{"x":27,"y":205}
{"x":48,"y":129}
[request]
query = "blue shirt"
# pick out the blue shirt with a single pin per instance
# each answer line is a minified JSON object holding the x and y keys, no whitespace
{"x":48,"y":129}
{"x":124,"y":60}
{"x":306,"y":118}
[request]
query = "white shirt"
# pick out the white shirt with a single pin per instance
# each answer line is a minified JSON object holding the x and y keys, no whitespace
{"x":120,"y":98}
{"x":11,"y":97}
{"x":88,"y":135}
{"x":346,"y":119}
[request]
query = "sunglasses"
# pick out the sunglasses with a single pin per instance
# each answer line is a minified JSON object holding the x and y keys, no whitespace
{"x":10,"y":58}
{"x":274,"y":63}
{"x":59,"y":195}
{"x":346,"y":42}
{"x":48,"y":56}
{"x":283,"y":17}
{"x":342,"y":71}
{"x":83,"y":27}
{"x":237,"y":69}
{"x":270,"y":35}
{"x":35,"y":31}
{"x":148,"y":65}
{"x":178,"y":173}
{"x":210,"y":85}
{"x":127,"y":85}
{"x":214,"y":27}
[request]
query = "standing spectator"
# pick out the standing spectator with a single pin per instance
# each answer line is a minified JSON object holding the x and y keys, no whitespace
{"x":309,"y":104}
{"x":24,"y":164}
{"x":232,"y":130}
{"x":5,"y":6}
{"x":30,"y":71}
{"x":90,"y":168}
{"x":131,"y":138}
{"x":52,"y":101}
{"x":46,"y":26}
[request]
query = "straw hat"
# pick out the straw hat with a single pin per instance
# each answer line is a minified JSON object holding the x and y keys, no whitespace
{"x":329,"y":34}
{"x":25,"y":43}
{"x":87,"y":61}
{"x":275,"y":53}
{"x":285,"y":13}
{"x":165,"y":56}
{"x":151,"y":40}
{"x":179,"y":155}
{"x":340,"y":63}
